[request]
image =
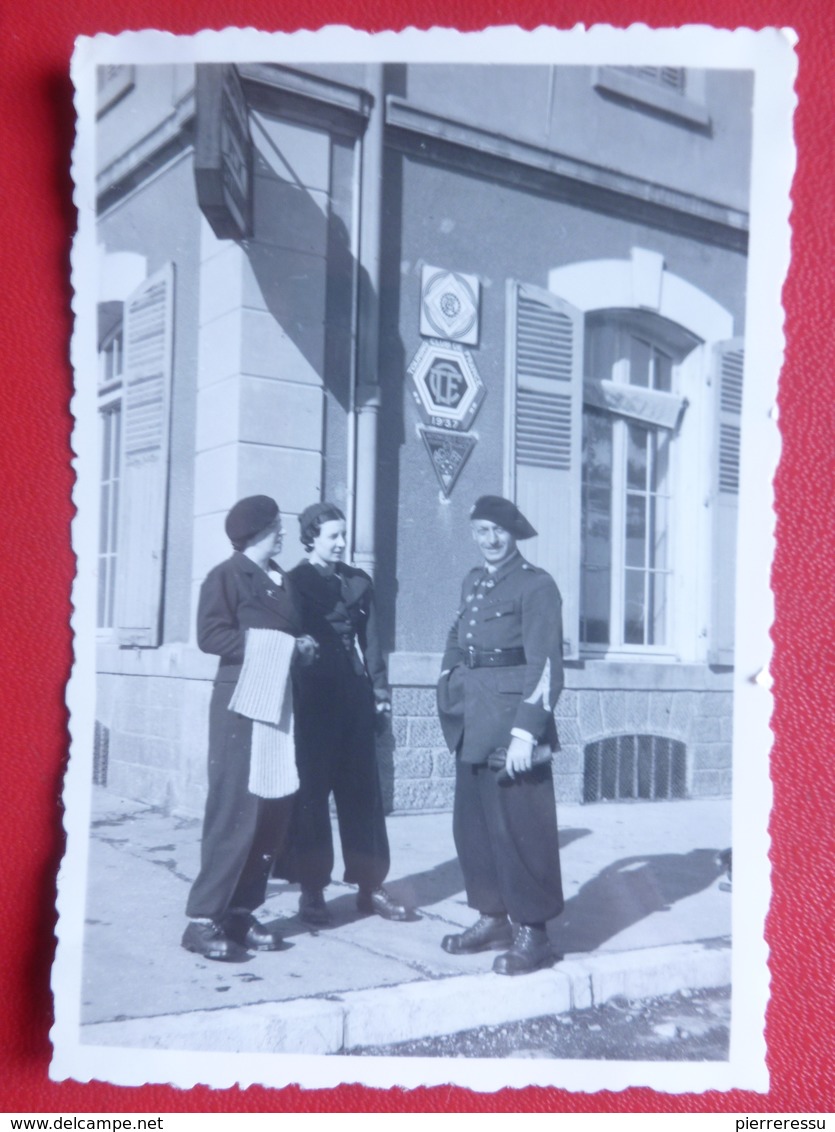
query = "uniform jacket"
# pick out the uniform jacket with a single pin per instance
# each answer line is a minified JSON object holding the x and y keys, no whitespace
{"x":518,"y":606}
{"x":238,"y":595}
{"x":325,"y":608}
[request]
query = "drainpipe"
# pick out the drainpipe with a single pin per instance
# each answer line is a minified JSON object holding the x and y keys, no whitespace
{"x":367,"y":392}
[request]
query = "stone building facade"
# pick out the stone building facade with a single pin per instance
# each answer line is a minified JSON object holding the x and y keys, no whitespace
{"x":281,"y":284}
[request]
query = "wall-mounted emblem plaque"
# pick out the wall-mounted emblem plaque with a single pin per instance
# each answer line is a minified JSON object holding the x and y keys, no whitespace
{"x":448,"y":452}
{"x":449,"y":305}
{"x":447,"y":387}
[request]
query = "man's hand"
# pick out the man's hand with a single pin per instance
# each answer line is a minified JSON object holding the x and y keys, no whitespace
{"x":307,"y":650}
{"x":519,"y":756}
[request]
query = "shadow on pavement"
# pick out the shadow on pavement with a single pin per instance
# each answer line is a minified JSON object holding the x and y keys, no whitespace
{"x":628,"y":891}
{"x":420,"y":890}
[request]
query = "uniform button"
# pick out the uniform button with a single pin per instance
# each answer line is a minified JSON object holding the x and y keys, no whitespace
{"x":469,"y":636}
{"x":475,"y":609}
{"x":472,"y":622}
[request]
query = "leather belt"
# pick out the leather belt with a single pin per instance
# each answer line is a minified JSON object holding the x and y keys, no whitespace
{"x":493,"y":658}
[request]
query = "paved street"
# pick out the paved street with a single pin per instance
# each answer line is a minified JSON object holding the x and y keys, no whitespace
{"x":646,"y":914}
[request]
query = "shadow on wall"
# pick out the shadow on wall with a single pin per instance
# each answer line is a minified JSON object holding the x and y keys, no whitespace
{"x":305,"y":270}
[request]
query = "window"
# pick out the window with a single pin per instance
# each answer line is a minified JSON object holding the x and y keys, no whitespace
{"x":634,"y":766}
{"x":668,"y":78}
{"x":623,"y":422}
{"x":626,"y":484}
{"x":677,"y":93}
{"x":111,"y":354}
{"x":134,"y":390}
{"x":113,"y":82}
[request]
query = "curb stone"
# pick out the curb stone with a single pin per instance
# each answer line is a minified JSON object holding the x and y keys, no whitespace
{"x":385,"y":1016}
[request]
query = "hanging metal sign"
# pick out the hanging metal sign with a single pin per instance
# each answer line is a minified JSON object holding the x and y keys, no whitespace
{"x":447,"y":387}
{"x":222,"y":150}
{"x":449,"y":305}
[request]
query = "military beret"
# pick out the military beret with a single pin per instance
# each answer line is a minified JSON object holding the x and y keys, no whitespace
{"x":249,"y":516}
{"x":504,"y":514}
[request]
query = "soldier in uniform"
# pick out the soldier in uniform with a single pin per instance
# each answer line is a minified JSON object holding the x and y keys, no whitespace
{"x":502,"y":674}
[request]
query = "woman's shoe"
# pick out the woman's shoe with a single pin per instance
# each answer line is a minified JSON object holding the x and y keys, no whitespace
{"x":313,"y":909}
{"x":379,"y":903}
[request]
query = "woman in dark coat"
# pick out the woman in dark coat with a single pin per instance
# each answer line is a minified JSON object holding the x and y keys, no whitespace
{"x":338,"y":700}
{"x":242,"y":832}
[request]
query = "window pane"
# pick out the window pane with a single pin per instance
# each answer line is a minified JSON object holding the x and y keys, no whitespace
{"x":636,"y":456}
{"x":101,"y":610}
{"x":663,"y":375}
{"x":633,"y":614}
{"x":658,"y":538}
{"x":104,"y":518}
{"x":114,"y":518}
{"x":601,"y":349}
{"x":116,"y":417}
{"x":640,"y":355}
{"x":597,"y":448}
{"x":106,"y":443}
{"x":657,"y":586}
{"x":636,"y":530}
{"x":596,"y":529}
{"x":660,"y":460}
{"x":597,"y":550}
{"x":111,"y":595}
{"x":596,"y":597}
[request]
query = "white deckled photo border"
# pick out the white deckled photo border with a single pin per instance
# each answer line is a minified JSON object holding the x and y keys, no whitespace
{"x":769,"y":55}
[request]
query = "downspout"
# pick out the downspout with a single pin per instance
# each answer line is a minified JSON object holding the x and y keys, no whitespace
{"x":367,"y":389}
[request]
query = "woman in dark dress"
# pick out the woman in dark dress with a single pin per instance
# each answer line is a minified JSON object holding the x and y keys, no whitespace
{"x":338,"y":701}
{"x":242,"y":832}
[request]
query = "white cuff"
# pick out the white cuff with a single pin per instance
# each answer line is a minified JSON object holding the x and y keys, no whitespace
{"x":519,"y":733}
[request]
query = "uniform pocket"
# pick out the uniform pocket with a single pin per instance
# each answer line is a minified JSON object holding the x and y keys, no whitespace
{"x":500,"y":609}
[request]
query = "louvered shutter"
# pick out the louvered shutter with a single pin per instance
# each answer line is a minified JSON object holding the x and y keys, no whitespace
{"x":146,"y":413}
{"x":546,"y":359}
{"x":728,"y":358}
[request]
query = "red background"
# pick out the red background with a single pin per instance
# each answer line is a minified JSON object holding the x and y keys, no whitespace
{"x":36,"y":566}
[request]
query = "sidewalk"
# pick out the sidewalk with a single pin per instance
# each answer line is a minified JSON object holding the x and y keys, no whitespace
{"x":645,"y":915}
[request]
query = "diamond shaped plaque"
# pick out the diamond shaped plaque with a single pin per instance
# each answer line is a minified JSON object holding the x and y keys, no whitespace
{"x":449,"y":305}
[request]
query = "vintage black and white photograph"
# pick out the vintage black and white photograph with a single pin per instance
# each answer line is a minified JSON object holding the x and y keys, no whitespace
{"x":424,"y":442}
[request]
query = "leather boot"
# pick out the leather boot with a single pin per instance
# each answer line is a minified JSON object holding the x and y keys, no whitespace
{"x":207,"y":938}
{"x":530,"y":951}
{"x":487,"y":933}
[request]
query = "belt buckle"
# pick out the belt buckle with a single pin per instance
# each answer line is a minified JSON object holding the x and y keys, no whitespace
{"x":471,"y":656}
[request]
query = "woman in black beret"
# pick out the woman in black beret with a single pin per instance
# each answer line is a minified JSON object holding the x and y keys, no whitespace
{"x":339,"y":701}
{"x":246,"y":821}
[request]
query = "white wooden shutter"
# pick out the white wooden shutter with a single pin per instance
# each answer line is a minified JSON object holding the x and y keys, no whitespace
{"x":146,"y":414}
{"x":728,"y":359}
{"x":545,"y":345}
